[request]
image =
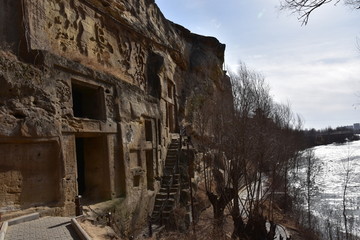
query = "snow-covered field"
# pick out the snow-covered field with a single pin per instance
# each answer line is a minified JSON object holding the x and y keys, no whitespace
{"x":335,"y":160}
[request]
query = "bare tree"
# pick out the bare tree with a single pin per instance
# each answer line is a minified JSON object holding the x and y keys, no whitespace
{"x":348,"y":170}
{"x":312,"y":170}
{"x":249,"y":144}
{"x":305,"y":7}
{"x":260,"y":135}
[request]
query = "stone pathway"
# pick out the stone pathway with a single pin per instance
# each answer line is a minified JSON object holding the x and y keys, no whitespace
{"x":58,"y":228}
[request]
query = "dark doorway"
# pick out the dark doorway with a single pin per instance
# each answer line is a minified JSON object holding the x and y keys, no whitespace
{"x":93,"y":168}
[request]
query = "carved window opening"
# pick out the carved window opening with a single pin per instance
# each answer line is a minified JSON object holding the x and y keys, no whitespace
{"x":88,"y":101}
{"x":170,"y":117}
{"x":150,"y":169}
{"x":159,"y":131}
{"x":170,"y":88}
{"x":154,"y":65}
{"x":148,"y":130}
{"x":135,"y":158}
{"x":136,"y":180}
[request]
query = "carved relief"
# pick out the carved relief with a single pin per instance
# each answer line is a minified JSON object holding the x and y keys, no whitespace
{"x":139,"y":65}
{"x":103,"y":49}
{"x":109,"y":100}
{"x":68,"y":26}
{"x":80,"y":16}
{"x":82,"y":33}
{"x":63,"y":93}
{"x":125,"y":48}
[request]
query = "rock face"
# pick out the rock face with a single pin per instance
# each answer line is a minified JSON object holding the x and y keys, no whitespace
{"x":92,"y":103}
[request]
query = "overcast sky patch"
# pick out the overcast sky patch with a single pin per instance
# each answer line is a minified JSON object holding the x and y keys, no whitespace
{"x":315,"y":67}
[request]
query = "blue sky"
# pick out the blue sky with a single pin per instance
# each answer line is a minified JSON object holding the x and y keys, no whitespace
{"x":314,"y":67}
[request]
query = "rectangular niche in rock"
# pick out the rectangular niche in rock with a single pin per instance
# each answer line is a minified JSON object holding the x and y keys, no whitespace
{"x":88,"y":101}
{"x":148,"y":130}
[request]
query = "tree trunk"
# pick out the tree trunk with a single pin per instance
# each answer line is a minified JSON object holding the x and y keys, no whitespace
{"x":308,"y":185}
{"x":239,"y":227}
{"x":344,"y":209}
{"x":218,"y":210}
{"x":285,"y":206}
{"x":272,"y":232}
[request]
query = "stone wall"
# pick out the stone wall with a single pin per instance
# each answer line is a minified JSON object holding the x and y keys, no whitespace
{"x":27,"y":176}
{"x":92,"y":104}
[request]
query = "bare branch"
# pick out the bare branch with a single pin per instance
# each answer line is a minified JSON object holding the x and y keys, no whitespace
{"x":305,"y":7}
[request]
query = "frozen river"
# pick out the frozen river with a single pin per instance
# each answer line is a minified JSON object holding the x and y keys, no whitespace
{"x":334,"y":161}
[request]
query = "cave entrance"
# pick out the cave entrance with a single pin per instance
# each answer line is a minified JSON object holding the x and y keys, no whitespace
{"x":92,"y":168}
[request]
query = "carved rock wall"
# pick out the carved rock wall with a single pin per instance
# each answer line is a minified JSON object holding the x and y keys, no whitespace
{"x":100,"y":88}
{"x":25,"y":94}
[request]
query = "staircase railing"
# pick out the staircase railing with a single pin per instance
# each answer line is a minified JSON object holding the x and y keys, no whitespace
{"x":159,"y":216}
{"x":169,"y":183}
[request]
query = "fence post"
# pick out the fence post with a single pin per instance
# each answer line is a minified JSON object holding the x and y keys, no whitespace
{"x":78,"y":207}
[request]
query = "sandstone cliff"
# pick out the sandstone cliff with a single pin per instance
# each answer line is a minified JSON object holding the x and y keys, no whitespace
{"x":94,"y":94}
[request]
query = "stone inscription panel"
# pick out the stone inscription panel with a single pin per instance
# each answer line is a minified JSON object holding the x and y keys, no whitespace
{"x":80,"y":33}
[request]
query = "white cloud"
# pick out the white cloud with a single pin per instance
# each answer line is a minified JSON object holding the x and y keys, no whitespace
{"x":316,"y":67}
{"x":319,"y":78}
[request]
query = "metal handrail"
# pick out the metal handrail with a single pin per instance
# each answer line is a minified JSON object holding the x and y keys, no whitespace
{"x":159,"y":215}
{"x":169,"y":184}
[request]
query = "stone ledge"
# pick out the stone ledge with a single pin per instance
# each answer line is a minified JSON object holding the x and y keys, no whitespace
{"x":79,"y":230}
{"x":3,"y":229}
{"x":22,"y":219}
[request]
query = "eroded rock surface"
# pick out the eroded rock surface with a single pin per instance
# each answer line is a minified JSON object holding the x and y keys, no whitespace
{"x":91,"y":98}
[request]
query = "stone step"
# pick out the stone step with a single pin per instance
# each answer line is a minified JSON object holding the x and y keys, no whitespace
{"x":164,"y":214}
{"x":165,"y":195}
{"x":171,"y":156}
{"x":169,"y":169}
{"x":167,"y":178}
{"x":162,"y":201}
{"x":174,"y":148}
{"x":173,"y":185}
{"x":160,"y":221}
{"x":170,"y":164}
{"x":167,"y":207}
{"x":171,"y":159}
{"x":170,"y":189}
